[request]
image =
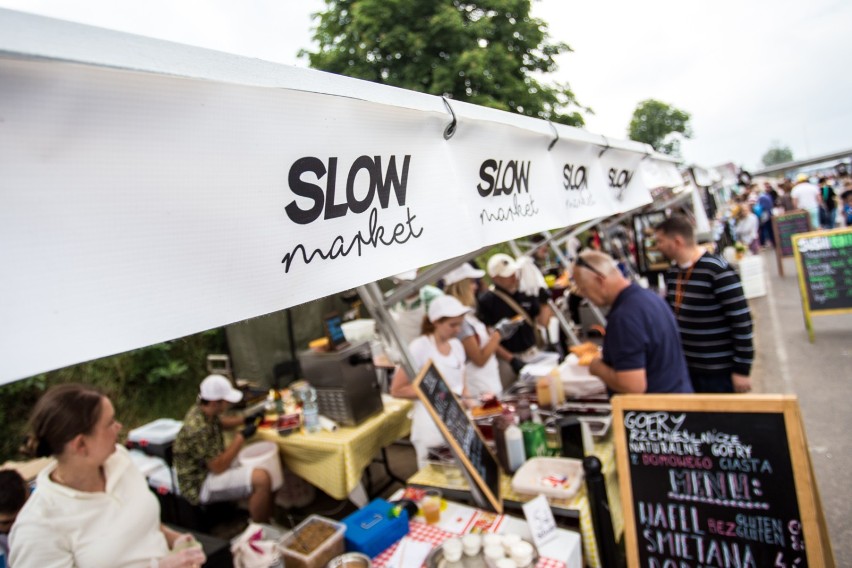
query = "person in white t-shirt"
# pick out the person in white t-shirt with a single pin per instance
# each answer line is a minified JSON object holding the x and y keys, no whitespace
{"x":806,"y":197}
{"x":437,"y":343}
{"x":480,"y":343}
{"x":91,"y":507}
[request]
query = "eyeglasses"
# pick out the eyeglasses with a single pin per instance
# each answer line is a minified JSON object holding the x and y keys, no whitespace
{"x":583,"y":263}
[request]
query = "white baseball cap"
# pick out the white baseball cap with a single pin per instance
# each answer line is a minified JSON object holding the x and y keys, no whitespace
{"x":218,"y":387}
{"x":446,"y":307}
{"x":502,"y":265}
{"x":462,"y":272}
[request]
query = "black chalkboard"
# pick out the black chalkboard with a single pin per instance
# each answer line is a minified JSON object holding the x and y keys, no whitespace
{"x":785,"y":226}
{"x":460,"y":432}
{"x":730,"y":486}
{"x":825,"y":269}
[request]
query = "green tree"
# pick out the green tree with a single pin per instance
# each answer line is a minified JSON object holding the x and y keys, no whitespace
{"x":486,"y":53}
{"x":655,"y":123}
{"x":777,"y":154}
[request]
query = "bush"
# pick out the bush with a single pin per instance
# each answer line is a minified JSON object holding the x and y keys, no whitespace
{"x":160,"y":381}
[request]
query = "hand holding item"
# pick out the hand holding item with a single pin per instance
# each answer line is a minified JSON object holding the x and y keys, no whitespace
{"x":249,"y":431}
{"x":742,"y":383}
{"x":517,"y":364}
{"x":186,"y":553}
{"x":507,"y":327}
{"x":254,"y":417}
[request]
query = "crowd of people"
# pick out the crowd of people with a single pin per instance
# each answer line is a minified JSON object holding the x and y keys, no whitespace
{"x":694,"y":336}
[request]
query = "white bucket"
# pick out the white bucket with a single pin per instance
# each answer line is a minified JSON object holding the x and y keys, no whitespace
{"x":264,"y":455}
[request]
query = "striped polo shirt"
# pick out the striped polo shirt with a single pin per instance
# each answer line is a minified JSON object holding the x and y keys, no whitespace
{"x":714,"y":317}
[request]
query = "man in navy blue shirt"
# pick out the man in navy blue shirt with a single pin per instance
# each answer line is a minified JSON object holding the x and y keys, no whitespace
{"x":641,"y":349}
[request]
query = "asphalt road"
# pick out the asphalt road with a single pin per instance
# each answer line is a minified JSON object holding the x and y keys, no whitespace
{"x":820,"y":375}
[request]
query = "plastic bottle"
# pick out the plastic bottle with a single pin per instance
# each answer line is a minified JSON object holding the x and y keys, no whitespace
{"x":535,"y":414}
{"x":310,"y":410}
{"x":514,"y":447}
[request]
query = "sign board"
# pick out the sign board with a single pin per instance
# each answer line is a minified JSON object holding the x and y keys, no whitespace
{"x":460,"y":432}
{"x":824,"y":261}
{"x":783,"y":228}
{"x":717,"y":480}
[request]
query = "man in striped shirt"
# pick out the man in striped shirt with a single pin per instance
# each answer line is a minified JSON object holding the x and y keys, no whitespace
{"x":707,"y":298}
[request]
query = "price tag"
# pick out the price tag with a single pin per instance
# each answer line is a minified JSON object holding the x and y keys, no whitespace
{"x":541,"y":521}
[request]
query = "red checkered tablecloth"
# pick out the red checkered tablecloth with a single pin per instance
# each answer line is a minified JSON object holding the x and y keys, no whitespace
{"x":429,"y":533}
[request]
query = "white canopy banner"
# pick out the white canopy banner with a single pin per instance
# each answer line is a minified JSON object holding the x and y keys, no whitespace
{"x":141,"y":207}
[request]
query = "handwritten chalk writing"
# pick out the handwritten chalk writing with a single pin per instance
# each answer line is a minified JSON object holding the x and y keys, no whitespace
{"x":721,"y":528}
{"x":760,"y":529}
{"x":654,"y":421}
{"x":515,"y":175}
{"x":510,"y":213}
{"x":700,"y":549}
{"x":795,"y":529}
{"x":400,"y":234}
{"x":745,"y":465}
{"x":710,"y":484}
{"x":672,"y":517}
{"x":694,"y":462}
{"x":737,"y":450}
{"x":814,"y":244}
{"x":679,"y":448}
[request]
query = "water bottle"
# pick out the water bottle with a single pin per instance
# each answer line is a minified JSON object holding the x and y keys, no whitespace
{"x":310,"y":410}
{"x":514,"y":447}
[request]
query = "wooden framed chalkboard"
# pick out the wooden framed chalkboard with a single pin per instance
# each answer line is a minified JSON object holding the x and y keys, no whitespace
{"x":717,"y":480}
{"x":460,"y":432}
{"x":824,"y":261}
{"x":783,"y":228}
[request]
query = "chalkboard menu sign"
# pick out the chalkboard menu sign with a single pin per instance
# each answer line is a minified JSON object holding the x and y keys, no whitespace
{"x":460,"y":432}
{"x":824,"y":260}
{"x":783,"y":228}
{"x":717,"y":480}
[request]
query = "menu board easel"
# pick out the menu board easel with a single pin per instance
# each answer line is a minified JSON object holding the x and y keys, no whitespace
{"x":717,"y":480}
{"x":824,"y":260}
{"x":465,"y":440}
{"x":784,"y":226}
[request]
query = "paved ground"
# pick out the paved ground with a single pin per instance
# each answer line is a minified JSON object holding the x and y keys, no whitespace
{"x":820,"y":374}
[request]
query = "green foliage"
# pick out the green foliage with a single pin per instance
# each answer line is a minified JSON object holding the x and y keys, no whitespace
{"x":160,"y":381}
{"x":485,"y":53}
{"x":654,"y":122}
{"x":777,"y":154}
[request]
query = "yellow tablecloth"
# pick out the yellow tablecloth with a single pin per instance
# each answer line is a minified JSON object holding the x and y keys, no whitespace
{"x":335,"y":461}
{"x":604,"y":450}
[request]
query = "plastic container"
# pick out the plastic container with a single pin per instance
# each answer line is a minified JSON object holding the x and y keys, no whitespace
{"x":155,"y":438}
{"x":372,"y":530}
{"x":560,"y":478}
{"x":359,"y":330}
{"x":320,"y":555}
{"x":264,"y":455}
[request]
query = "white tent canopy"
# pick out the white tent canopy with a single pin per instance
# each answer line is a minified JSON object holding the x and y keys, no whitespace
{"x":150,"y":190}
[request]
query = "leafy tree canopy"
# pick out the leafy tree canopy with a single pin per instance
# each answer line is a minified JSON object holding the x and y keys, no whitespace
{"x":777,"y":154}
{"x":654,"y":122}
{"x":490,"y":53}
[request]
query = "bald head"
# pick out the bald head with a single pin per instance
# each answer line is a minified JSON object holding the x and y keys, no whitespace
{"x":598,"y":278}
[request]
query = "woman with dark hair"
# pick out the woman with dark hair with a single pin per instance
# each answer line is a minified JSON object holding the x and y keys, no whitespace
{"x":91,"y":506}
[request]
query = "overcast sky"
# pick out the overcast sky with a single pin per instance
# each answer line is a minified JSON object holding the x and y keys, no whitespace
{"x":748,"y":72}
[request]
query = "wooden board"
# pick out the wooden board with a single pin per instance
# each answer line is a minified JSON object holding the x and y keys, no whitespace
{"x":824,"y":262}
{"x":718,"y":477}
{"x":783,"y":228}
{"x":460,"y":433}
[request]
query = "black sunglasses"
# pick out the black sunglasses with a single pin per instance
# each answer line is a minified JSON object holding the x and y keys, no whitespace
{"x":583,"y":263}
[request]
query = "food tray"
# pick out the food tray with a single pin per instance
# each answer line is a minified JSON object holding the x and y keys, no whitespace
{"x":435,"y":559}
{"x":542,"y":475}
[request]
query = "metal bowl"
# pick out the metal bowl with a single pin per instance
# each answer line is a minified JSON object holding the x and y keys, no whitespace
{"x":350,"y":560}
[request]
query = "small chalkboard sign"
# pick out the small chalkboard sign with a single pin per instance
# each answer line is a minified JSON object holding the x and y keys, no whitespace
{"x":717,"y":480}
{"x":460,"y":432}
{"x":783,"y":228}
{"x":824,"y":260}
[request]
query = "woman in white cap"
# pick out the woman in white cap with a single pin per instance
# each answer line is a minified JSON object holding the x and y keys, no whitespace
{"x":480,"y":344}
{"x":437,"y":342}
